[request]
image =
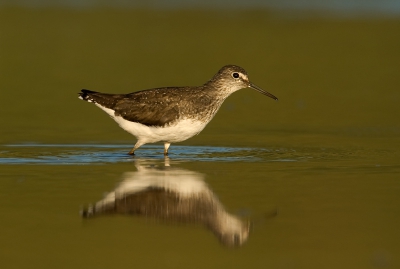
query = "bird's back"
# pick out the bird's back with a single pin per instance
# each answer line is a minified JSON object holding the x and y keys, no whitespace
{"x":157,"y":107}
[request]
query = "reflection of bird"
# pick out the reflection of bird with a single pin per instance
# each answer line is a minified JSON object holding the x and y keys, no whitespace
{"x":172,"y":195}
{"x":171,"y":114}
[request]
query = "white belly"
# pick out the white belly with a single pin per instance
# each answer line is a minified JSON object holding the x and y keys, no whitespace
{"x":180,"y":131}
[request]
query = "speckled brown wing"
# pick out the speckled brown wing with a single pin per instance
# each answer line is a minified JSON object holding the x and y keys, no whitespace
{"x":156,"y":107}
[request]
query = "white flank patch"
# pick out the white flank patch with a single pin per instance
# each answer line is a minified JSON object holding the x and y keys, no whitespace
{"x":182,"y":182}
{"x":180,"y":131}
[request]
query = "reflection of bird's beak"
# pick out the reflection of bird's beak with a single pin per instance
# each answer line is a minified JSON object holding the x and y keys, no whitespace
{"x":251,"y":85}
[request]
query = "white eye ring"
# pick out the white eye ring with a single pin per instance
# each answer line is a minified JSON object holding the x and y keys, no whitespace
{"x":235,"y":75}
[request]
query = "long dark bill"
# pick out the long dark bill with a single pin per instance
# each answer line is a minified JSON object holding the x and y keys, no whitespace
{"x":251,"y":85}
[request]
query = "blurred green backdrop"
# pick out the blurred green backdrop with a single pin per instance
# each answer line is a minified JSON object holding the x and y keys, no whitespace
{"x":332,"y":74}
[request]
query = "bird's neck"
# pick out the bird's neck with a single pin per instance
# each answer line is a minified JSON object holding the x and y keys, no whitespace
{"x":219,"y":89}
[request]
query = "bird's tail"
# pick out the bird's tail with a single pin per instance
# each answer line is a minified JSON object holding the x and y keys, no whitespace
{"x":103,"y":99}
{"x":86,"y":95}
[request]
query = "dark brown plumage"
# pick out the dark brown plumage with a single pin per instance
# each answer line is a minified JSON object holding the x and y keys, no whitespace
{"x":157,"y":107}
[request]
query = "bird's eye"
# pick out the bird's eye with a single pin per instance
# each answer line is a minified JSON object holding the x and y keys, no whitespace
{"x":235,"y":75}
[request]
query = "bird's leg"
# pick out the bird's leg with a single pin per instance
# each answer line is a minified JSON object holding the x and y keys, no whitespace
{"x":137,"y":145}
{"x":166,"y":146}
{"x":166,"y":161}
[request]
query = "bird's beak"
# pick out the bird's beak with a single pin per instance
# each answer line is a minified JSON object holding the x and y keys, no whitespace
{"x":251,"y":85}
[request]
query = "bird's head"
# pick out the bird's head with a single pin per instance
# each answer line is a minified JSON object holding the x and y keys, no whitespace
{"x":232,"y":78}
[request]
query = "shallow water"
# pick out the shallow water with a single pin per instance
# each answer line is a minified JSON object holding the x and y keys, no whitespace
{"x":308,"y":207}
{"x":317,"y":174}
{"x":73,"y":154}
{"x":101,"y":154}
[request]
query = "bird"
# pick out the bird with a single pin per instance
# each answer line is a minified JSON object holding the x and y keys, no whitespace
{"x":171,"y":114}
{"x":171,"y":194}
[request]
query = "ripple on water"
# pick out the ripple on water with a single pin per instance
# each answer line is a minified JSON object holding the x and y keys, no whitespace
{"x":106,"y":153}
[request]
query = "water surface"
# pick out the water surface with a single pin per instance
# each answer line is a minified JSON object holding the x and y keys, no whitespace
{"x":307,"y":206}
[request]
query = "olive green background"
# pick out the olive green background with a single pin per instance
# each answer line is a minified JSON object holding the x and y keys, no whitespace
{"x":337,"y":80}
